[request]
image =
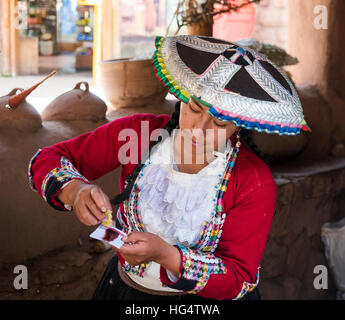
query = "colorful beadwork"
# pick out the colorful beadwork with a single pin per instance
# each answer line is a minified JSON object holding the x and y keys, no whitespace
{"x":213,"y":228}
{"x":163,"y":74}
{"x":134,"y":220}
{"x":199,"y":262}
{"x":199,"y":265}
{"x":209,"y":238}
{"x":248,"y":287}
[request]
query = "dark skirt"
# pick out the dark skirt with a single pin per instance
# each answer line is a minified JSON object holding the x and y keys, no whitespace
{"x":111,"y":287}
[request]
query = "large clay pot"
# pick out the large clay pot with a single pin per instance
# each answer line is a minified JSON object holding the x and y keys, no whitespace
{"x":202,"y":28}
{"x":24,"y":117}
{"x":277,"y":149}
{"x":131,"y":83}
{"x":76,"y":104}
{"x":305,"y":145}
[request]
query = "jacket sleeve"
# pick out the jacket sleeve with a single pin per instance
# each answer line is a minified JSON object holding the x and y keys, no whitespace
{"x":86,"y":157}
{"x":232,"y":270}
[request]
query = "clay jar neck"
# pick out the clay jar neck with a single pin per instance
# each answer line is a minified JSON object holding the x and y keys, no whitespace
{"x":22,"y":118}
{"x":5,"y":99}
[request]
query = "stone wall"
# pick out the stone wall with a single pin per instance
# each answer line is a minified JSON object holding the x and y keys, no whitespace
{"x":307,"y":197}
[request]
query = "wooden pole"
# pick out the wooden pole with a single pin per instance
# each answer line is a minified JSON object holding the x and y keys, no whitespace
{"x":107,"y":29}
{"x":116,"y":49}
{"x":97,"y":44}
{"x":0,"y":35}
{"x":9,"y":39}
{"x":13,"y":37}
{"x":6,"y":41}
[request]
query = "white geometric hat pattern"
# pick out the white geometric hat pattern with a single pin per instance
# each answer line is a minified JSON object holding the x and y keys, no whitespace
{"x":236,"y":83}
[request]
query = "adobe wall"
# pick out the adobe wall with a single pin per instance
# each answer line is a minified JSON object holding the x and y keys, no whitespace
{"x":321,"y":65}
{"x":272,"y":23}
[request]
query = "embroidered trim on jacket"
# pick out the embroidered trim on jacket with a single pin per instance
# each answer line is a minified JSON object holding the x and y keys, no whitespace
{"x":248,"y":287}
{"x":30,"y":175}
{"x":56,"y":178}
{"x":199,"y":265}
{"x":202,"y":263}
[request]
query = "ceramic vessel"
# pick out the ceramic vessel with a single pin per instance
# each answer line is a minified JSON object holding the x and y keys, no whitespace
{"x":24,"y":117}
{"x":131,"y":83}
{"x":76,"y":104}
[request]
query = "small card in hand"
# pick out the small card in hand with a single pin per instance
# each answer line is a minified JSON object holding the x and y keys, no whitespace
{"x":111,"y":235}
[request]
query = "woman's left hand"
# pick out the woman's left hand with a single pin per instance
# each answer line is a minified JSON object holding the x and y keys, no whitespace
{"x":143,"y":247}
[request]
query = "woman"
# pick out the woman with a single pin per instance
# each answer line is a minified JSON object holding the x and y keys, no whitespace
{"x":197,"y":217}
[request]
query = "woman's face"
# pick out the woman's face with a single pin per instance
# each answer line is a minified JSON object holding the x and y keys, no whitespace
{"x":201,"y":129}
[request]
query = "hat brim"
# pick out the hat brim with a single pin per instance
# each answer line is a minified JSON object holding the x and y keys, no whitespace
{"x":247,"y":122}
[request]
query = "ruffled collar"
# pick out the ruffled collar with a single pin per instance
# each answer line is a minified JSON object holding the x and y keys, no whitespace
{"x":164,"y":154}
{"x":174,"y":204}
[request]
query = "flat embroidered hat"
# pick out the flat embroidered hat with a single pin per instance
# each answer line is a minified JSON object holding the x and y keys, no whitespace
{"x":235,"y":83}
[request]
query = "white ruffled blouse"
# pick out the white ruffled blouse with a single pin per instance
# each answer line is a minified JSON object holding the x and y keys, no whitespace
{"x":175,"y":204}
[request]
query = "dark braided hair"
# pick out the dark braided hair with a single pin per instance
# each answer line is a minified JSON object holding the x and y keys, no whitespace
{"x":169,"y":126}
{"x":247,"y":137}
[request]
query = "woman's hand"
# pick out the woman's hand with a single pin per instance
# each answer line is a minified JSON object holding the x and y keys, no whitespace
{"x":143,"y":247}
{"x":89,"y":202}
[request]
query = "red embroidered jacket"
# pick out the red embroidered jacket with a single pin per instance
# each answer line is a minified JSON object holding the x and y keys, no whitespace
{"x":249,"y":203}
